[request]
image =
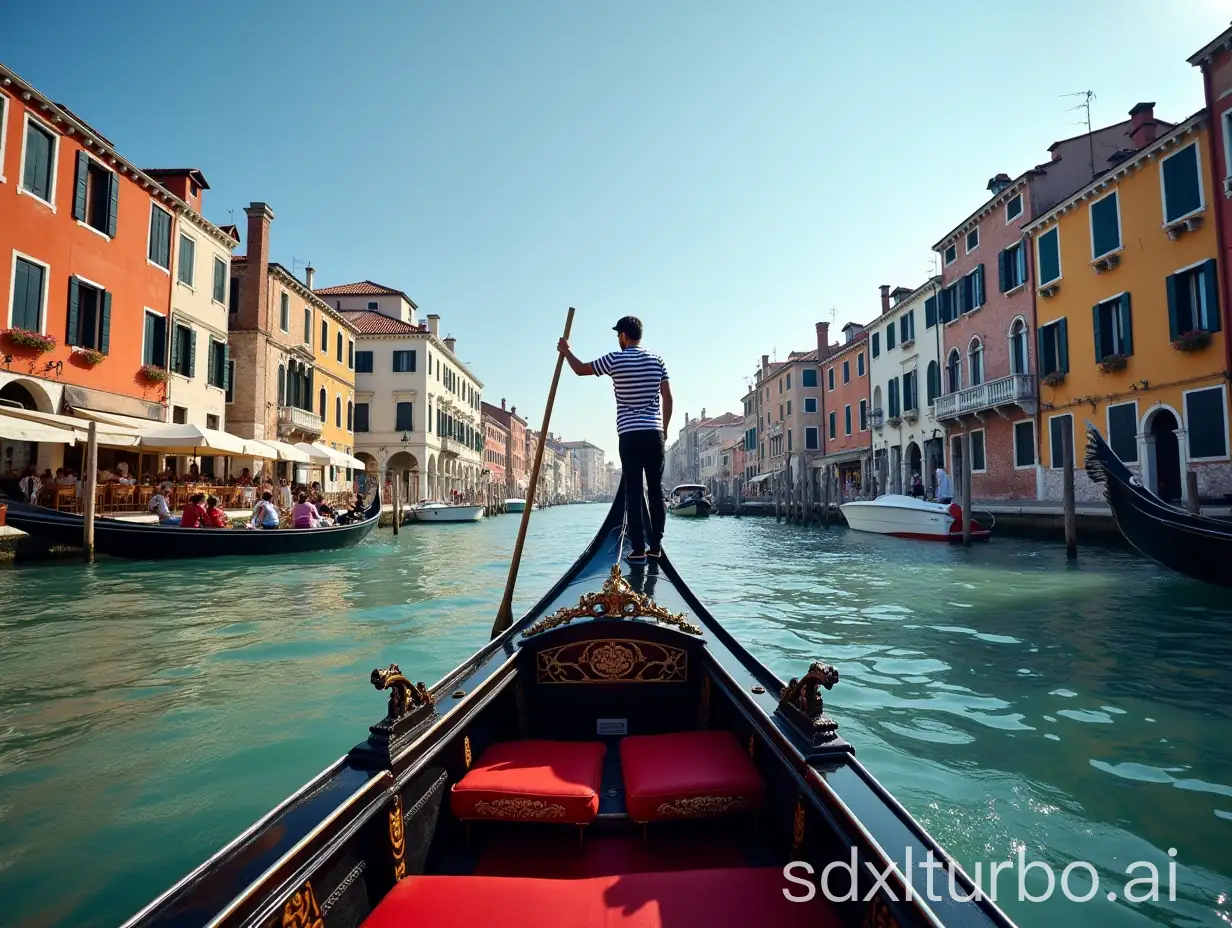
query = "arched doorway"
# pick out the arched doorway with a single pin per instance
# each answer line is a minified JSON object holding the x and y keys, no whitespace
{"x":914,"y":466}
{"x":367,"y":478}
{"x":404,"y":467}
{"x":1165,"y":455}
{"x":18,"y":456}
{"x":434,"y":488}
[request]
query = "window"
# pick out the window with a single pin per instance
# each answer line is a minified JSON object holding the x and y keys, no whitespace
{"x":154,"y":342}
{"x":891,"y":331}
{"x":233,"y":300}
{"x":863,"y":415}
{"x":860,"y":364}
{"x":1053,"y":348}
{"x":911,"y":396}
{"x":930,"y":312}
{"x":1018,"y":346}
{"x":892,"y":401}
{"x":975,"y":362}
{"x":780,"y":412}
{"x":188,"y":261}
{"x":846,"y":420}
{"x":973,"y":240}
{"x":404,"y":362}
{"x":951,"y":255}
{"x":947,"y":305}
{"x":184,"y":350}
{"x":361,"y":417}
{"x":89,"y":316}
{"x":372,"y":304}
{"x":338,"y":412}
{"x":1123,"y":431}
{"x":338,"y":351}
{"x":1048,"y":256}
{"x":846,"y":372}
{"x":953,"y":372}
{"x":284,"y":312}
{"x":978,"y":463}
{"x":29,"y":295}
{"x":876,"y":344}
{"x":971,"y":291}
{"x":216,"y":376}
{"x":179,"y":415}
{"x":282,"y":385}
{"x":363,"y":362}
{"x":906,"y":327}
{"x":1105,"y":226}
{"x":810,"y":404}
{"x":219,"y":293}
{"x":322,"y":399}
{"x":1193,"y":300}
{"x":1057,"y":427}
{"x":934,"y":382}
{"x":789,"y":439}
{"x":1013,"y":209}
{"x":1024,"y":443}
{"x":160,"y":237}
{"x":1012,"y":267}
{"x":325,"y":336}
{"x":833,"y":425}
{"x":229,"y":389}
{"x":350,"y":354}
{"x":789,"y":407}
{"x":1207,"y":423}
{"x":39,"y":169}
{"x":1180,"y":175}
{"x":808,"y":377}
{"x":830,"y":377}
{"x":96,"y":195}
{"x":1114,"y":332}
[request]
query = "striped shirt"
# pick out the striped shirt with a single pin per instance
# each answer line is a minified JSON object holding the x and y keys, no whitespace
{"x":637,"y":375}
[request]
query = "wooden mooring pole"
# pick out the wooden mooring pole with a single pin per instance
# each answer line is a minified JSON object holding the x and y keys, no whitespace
{"x":966,"y":485}
{"x":1067,"y":493}
{"x":825,"y":496}
{"x":397,"y":509}
{"x":1191,"y":492}
{"x":91,"y":487}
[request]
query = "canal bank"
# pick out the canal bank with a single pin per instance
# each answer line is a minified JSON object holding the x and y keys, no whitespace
{"x":153,"y":711}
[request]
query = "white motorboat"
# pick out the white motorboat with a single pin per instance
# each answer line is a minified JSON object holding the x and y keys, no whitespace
{"x":444,"y":512}
{"x":909,"y":517}
{"x":690,"y":499}
{"x":515,"y":505}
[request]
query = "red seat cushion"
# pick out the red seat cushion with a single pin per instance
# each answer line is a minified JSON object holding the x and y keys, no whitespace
{"x":532,"y":781}
{"x":690,"y":774}
{"x":681,"y":899}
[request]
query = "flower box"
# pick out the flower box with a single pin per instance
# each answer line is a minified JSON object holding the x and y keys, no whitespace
{"x":1113,"y":363}
{"x":27,"y":341}
{"x":1053,"y":378}
{"x":894,"y":421}
{"x":1193,"y":340}
{"x":152,"y":373}
{"x":88,"y":356}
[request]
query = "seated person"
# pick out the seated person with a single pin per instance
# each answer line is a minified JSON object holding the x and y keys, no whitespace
{"x":194,"y":472}
{"x":264,"y":514}
{"x":215,"y":517}
{"x":354,"y":513}
{"x":193,"y":515}
{"x":159,"y":506}
{"x":304,"y":514}
{"x":65,"y":478}
{"x":245,"y":479}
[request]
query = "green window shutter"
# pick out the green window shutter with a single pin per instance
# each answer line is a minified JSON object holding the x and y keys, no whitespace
{"x":1041,"y":336}
{"x":1003,"y":276}
{"x":930,"y":312}
{"x":79,"y":189}
{"x":1105,"y":234}
{"x":1127,"y":325}
{"x":226,"y":368}
{"x":113,"y":203}
{"x":74,"y":311}
{"x":175,"y":350}
{"x":1173,"y":325}
{"x":1181,"y":193}
{"x":979,"y":296}
{"x":1099,"y":348}
{"x":1062,"y":346}
{"x":1210,"y":282}
{"x":192,"y":352}
{"x":104,"y":325}
{"x":21,"y":295}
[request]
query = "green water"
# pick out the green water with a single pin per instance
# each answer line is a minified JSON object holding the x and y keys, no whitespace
{"x":148,"y":712}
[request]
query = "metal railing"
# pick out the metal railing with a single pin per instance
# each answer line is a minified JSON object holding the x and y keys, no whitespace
{"x":294,"y":418}
{"x":877,"y":418}
{"x":1005,"y":391}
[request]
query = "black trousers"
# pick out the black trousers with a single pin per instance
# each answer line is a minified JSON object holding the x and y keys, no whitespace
{"x":641,"y":456}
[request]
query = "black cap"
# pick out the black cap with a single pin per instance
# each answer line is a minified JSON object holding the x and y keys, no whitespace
{"x":630,"y":326}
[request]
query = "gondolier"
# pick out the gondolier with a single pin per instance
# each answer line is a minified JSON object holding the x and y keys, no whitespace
{"x":643,"y":413}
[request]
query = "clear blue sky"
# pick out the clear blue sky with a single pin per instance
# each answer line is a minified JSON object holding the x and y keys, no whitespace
{"x":730,"y":172}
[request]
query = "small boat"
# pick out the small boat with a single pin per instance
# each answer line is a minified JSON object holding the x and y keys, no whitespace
{"x":151,"y":541}
{"x":690,"y":499}
{"x":615,"y":757}
{"x":910,"y":517}
{"x":428,"y":511}
{"x":1196,"y":546}
{"x":515,"y":505}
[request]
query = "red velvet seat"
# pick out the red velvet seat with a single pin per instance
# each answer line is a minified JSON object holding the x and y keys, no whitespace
{"x":532,"y":781}
{"x":681,"y":899}
{"x":692,"y":774}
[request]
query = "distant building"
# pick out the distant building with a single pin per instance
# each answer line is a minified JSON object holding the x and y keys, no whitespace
{"x":591,"y":467}
{"x":847,"y":438}
{"x":517,"y":459}
{"x":495,"y":451}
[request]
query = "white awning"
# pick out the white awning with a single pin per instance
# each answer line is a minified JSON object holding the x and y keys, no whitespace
{"x":15,"y":429}
{"x":175,"y":438}
{"x":760,"y":478}
{"x":285,"y":452}
{"x":109,"y":436}
{"x":324,"y":454}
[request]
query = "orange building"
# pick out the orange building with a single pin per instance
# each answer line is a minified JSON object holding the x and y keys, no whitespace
{"x":847,"y":439}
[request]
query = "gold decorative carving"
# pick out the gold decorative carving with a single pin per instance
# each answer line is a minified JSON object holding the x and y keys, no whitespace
{"x":800,"y":700}
{"x":519,"y":809}
{"x":617,"y":600}
{"x":466,"y":750}
{"x":612,"y":661}
{"x":301,"y":910}
{"x":797,"y":826}
{"x":397,"y":837}
{"x":702,"y":806}
{"x":703,"y":704}
{"x":404,"y":695}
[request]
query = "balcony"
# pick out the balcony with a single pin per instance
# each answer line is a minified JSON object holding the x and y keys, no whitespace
{"x":294,"y":419}
{"x":450,"y":447}
{"x":1014,"y":390}
{"x":877,"y":418}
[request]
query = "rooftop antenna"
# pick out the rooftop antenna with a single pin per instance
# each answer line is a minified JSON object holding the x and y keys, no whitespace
{"x":297,"y":263}
{"x":1088,"y":97}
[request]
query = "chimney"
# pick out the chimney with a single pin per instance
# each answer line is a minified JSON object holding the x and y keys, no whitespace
{"x":885,"y":298}
{"x":450,"y":342}
{"x":513,"y":410}
{"x":502,"y":402}
{"x":1142,"y":125}
{"x":254,"y":293}
{"x":823,"y":339}
{"x":434,"y":324}
{"x":703,"y":412}
{"x":309,"y":273}
{"x":998,"y":183}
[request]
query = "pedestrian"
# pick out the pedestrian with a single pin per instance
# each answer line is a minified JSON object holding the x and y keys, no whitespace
{"x":945,"y":492}
{"x":643,"y":414}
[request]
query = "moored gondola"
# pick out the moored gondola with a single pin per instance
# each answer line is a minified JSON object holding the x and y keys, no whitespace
{"x":151,"y":541}
{"x":1194,"y":545}
{"x":614,"y":757}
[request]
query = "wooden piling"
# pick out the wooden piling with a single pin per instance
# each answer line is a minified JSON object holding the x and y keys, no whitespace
{"x":1191,"y":492}
{"x":825,"y":496}
{"x":397,"y":509}
{"x":1067,"y":493}
{"x":90,"y":485}
{"x":778,"y":493}
{"x":966,"y":485}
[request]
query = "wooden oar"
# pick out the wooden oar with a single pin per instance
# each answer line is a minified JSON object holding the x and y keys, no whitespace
{"x":504,"y":616}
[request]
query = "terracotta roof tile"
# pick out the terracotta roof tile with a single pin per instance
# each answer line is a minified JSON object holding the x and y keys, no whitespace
{"x":367,"y":322}
{"x":360,"y":288}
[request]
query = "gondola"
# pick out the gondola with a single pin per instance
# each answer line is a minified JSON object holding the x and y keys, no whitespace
{"x":614,"y":757}
{"x":151,"y":541}
{"x":1197,"y":546}
{"x":690,"y":500}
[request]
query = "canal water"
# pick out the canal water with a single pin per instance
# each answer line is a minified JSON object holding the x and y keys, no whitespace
{"x":150,"y":712}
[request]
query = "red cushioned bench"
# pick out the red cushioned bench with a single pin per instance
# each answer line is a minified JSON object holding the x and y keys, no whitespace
{"x":532,"y":781}
{"x":726,"y":897}
{"x":692,"y":774}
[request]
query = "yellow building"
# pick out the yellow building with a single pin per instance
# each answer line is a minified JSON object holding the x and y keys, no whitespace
{"x":1128,"y":318}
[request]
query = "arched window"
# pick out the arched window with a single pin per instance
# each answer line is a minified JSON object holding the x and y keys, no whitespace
{"x":877,"y":407}
{"x":1018,"y":346}
{"x":350,"y":416}
{"x":338,"y":411}
{"x":934,"y":382}
{"x":321,"y":404}
{"x":282,"y":385}
{"x":975,"y":362}
{"x":953,"y":372}
{"x":338,"y":354}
